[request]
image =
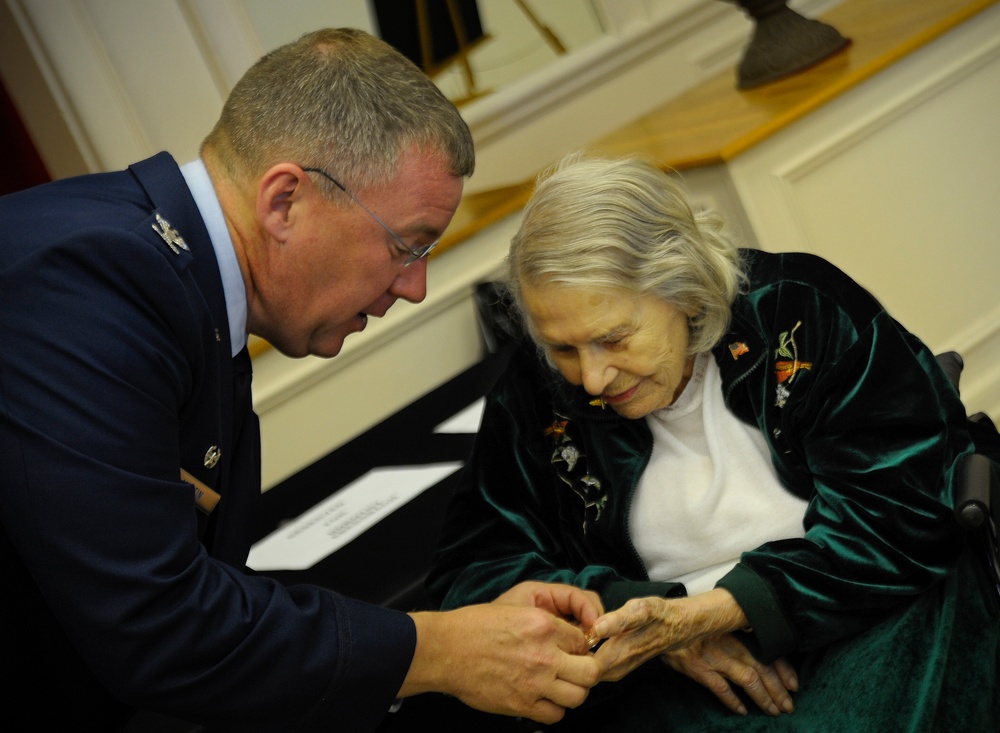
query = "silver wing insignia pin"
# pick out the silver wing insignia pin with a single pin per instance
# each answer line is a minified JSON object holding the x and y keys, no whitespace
{"x":169,"y":235}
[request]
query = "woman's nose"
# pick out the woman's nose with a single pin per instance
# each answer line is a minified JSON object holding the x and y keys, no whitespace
{"x":596,"y":372}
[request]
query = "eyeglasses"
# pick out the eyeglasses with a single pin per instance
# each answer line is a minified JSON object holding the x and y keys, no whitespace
{"x":412,"y":254}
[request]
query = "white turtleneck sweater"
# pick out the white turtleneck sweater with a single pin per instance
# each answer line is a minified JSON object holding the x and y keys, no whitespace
{"x":709,"y":492}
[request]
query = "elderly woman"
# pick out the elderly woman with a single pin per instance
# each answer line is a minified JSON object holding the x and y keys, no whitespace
{"x":745,"y":455}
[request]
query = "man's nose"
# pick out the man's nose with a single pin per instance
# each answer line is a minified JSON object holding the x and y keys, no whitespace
{"x":411,"y":282}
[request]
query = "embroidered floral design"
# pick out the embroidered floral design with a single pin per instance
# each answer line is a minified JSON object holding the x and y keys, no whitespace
{"x":781,"y":396}
{"x":566,"y":458}
{"x":788,"y":368}
{"x":570,"y":455}
{"x":557,"y":428}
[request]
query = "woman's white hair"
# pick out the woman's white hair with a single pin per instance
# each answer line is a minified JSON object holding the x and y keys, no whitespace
{"x":621,"y":223}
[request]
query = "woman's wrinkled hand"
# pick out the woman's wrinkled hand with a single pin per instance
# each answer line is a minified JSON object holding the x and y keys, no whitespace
{"x":640,"y":630}
{"x":719,"y":662}
{"x":645,"y":628}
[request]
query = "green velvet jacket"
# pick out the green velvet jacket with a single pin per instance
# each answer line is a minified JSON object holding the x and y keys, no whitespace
{"x":861,"y":422}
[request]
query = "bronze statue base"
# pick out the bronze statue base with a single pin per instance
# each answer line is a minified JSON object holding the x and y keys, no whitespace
{"x":783,"y":44}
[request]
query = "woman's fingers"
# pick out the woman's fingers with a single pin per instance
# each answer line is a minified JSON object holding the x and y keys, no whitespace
{"x":718,"y":663}
{"x":763,"y":686}
{"x":787,"y":674}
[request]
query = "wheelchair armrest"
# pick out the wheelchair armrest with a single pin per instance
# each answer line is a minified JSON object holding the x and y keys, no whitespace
{"x":972,"y":503}
{"x":952,"y":364}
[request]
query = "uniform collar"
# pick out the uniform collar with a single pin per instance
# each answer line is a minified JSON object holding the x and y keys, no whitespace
{"x":200,"y":184}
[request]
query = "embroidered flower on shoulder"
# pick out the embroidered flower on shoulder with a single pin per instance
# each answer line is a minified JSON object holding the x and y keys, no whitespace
{"x":787,"y":368}
{"x":566,"y":458}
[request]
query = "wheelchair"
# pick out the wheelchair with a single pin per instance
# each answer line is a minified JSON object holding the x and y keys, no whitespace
{"x":977,"y":502}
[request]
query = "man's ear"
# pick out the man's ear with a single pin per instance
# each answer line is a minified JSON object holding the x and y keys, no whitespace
{"x":280,"y":194}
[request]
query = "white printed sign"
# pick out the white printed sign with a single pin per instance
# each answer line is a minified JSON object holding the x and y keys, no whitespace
{"x":331,"y":524}
{"x":466,"y":421}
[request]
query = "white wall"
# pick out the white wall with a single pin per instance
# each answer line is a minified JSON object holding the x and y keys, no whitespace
{"x":128,"y":79}
{"x":102,"y":83}
{"x":897,"y":182}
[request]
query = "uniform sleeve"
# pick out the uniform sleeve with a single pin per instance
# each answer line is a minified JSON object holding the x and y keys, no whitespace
{"x":101,"y":351}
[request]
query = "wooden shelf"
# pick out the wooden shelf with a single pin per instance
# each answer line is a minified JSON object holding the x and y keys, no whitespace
{"x":714,"y":122}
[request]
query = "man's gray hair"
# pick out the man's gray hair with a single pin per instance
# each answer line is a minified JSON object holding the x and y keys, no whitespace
{"x":342,"y":100}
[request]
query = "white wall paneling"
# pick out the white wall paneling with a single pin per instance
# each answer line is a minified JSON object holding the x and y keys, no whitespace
{"x":129,"y":77}
{"x":228,"y":39}
{"x":896,"y":183}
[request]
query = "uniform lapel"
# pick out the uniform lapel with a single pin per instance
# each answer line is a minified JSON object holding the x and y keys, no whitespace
{"x":238,"y":433}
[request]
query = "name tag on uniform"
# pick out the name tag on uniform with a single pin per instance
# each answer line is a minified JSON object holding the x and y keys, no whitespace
{"x":204,"y":497}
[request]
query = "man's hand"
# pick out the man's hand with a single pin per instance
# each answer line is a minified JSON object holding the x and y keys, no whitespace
{"x":717,"y":661}
{"x":517,"y":656}
{"x":580,"y":607}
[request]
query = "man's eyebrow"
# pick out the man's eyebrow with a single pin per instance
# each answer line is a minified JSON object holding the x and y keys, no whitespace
{"x":422,"y":227}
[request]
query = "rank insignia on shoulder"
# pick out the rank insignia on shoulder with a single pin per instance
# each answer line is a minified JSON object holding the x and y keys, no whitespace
{"x":169,"y":235}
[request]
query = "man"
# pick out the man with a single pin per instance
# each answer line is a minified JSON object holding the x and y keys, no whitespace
{"x":130,"y":454}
